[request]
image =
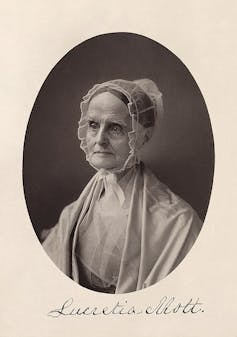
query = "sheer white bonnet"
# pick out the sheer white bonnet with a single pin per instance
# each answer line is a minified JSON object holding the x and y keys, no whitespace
{"x":145,"y":106}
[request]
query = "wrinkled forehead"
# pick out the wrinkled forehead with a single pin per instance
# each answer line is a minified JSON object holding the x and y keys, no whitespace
{"x":106,"y":100}
{"x":130,"y":94}
{"x":106,"y":107}
{"x":114,"y":93}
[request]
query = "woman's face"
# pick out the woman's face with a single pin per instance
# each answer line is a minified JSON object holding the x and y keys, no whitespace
{"x":107,"y":134}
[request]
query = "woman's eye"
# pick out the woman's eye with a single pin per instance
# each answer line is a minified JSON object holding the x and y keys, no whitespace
{"x":92,"y":125}
{"x":116,"y":129}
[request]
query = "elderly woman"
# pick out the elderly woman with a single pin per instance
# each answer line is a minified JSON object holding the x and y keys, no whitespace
{"x":127,"y":230}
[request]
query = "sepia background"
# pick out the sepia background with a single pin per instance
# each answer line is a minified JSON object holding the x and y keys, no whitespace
{"x":36,"y":36}
{"x":181,"y":152}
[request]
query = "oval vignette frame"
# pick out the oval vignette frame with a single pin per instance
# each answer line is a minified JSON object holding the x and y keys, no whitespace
{"x":54,"y":167}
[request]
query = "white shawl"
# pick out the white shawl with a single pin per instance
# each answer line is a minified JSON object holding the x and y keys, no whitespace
{"x":161,"y":229}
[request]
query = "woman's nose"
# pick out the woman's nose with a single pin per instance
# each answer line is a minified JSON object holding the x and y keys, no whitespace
{"x":101,"y":137}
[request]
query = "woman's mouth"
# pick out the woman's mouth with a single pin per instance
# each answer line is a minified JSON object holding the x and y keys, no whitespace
{"x":103,"y":153}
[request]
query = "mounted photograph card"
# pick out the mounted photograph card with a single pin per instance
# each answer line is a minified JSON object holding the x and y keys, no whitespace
{"x":116,"y":212}
{"x":127,"y":230}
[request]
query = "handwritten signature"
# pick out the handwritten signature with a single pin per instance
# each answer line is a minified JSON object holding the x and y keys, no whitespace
{"x":166,"y":306}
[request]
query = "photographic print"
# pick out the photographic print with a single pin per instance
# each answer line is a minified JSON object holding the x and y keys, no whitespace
{"x":118,"y":165}
{"x":140,"y":111}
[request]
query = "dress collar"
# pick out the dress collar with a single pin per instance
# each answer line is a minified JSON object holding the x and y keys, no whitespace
{"x":121,"y":186}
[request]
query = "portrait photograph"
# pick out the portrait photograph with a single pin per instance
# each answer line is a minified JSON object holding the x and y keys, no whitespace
{"x":118,"y":169}
{"x":118,"y":163}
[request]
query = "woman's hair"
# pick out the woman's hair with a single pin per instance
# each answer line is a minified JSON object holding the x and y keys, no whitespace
{"x":143,"y":104}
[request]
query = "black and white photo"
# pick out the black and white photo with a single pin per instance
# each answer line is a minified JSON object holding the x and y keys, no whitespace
{"x":126,"y":229}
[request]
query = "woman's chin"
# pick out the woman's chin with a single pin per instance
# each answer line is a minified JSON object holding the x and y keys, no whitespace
{"x":105,"y":165}
{"x":102,"y":164}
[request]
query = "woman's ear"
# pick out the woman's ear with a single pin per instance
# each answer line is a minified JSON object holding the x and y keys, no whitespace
{"x":146,"y":139}
{"x":147,"y":136}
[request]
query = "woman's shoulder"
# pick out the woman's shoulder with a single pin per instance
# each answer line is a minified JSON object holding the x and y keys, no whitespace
{"x":163,"y":200}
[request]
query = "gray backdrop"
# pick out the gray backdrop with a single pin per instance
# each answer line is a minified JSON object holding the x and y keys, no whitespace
{"x":181,"y":152}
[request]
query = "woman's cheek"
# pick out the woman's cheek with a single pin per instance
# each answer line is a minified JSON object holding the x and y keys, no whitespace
{"x":122,"y":148}
{"x":89,"y":142}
